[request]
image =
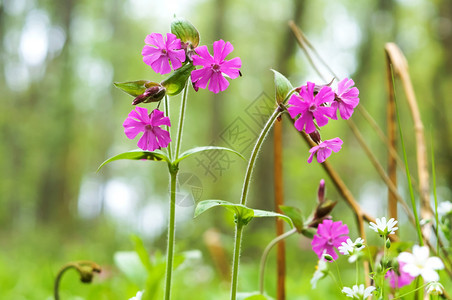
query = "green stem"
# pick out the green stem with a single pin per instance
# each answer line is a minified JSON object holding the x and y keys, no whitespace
{"x":236,"y":259}
{"x":265,"y":255}
{"x":357,"y":272}
{"x":167,"y":113}
{"x":181,"y":120}
{"x":407,"y":169}
{"x":412,"y":291}
{"x":171,"y":234}
{"x":338,"y":274}
{"x":435,"y":195}
{"x":257,"y":147}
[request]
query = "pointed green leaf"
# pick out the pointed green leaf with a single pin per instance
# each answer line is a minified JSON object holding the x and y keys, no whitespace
{"x":137,"y":155}
{"x":264,"y":213}
{"x":130,"y":264}
{"x":206,"y":148}
{"x":295,"y":214}
{"x":282,"y":86}
{"x":241,"y":212}
{"x":185,"y":31}
{"x":135,"y":88}
{"x":175,"y":83}
{"x":142,"y":252}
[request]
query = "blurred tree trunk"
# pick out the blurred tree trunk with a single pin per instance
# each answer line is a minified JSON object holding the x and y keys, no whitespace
{"x":441,"y":88}
{"x":57,"y":194}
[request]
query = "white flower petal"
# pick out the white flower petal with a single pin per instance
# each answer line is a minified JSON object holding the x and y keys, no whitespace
{"x":429,"y":275}
{"x":435,"y":263}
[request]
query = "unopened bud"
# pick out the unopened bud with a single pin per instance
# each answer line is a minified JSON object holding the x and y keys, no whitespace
{"x":315,"y":137}
{"x":321,"y":191}
{"x":328,"y":257}
{"x":152,"y":94}
{"x":388,"y":243}
{"x":324,"y":209}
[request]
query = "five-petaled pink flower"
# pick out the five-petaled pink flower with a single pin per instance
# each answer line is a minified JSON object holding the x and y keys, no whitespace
{"x":159,"y":52}
{"x":311,"y":107}
{"x":329,"y":235}
{"x":324,"y":149}
{"x":153,"y":137}
{"x":346,"y":99}
{"x":399,"y":279}
{"x":215,"y":67}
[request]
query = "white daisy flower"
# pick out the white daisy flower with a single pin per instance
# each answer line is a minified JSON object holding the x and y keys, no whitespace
{"x":358,"y":292}
{"x":419,"y":263}
{"x":435,"y":288}
{"x":352,"y":248}
{"x":384,"y":228}
{"x":137,"y":296}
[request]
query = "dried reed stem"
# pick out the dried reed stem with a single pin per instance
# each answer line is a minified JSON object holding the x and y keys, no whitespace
{"x":398,"y":60}
{"x":279,"y":200}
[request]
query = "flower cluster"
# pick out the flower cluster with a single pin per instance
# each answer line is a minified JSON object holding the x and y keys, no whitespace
{"x":313,"y":106}
{"x":352,"y":249}
{"x":164,"y":54}
{"x":358,"y":292}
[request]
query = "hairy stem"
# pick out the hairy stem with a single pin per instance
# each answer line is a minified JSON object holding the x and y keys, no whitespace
{"x":236,"y":259}
{"x":249,"y":170}
{"x":265,"y":256}
{"x":181,"y":120}
{"x":167,"y":113}
{"x":171,"y":234}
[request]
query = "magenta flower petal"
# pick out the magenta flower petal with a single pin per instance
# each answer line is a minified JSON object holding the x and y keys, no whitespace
{"x":324,"y":149}
{"x":159,"y":53}
{"x":346,"y":99}
{"x":153,"y":137}
{"x":311,"y":107}
{"x":215,"y":68}
{"x":329,"y":236}
{"x":399,"y":279}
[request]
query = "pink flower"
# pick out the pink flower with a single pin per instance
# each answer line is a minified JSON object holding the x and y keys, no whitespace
{"x":153,"y":137}
{"x":160,"y":52}
{"x":324,"y":149}
{"x":310,"y":107}
{"x":399,"y":279}
{"x":215,"y":67}
{"x":346,"y":99}
{"x":329,"y":235}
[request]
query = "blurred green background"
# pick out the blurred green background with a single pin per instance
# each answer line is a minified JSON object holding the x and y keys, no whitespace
{"x":61,"y":116}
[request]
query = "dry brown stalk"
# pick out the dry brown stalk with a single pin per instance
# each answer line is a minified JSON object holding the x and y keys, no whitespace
{"x":279,"y":200}
{"x":391,"y":121}
{"x":400,"y":67}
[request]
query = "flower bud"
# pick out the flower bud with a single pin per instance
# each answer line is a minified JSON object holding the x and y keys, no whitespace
{"x":187,"y":33}
{"x":315,"y":137}
{"x":324,"y":209}
{"x":328,"y":257}
{"x":321,"y":191}
{"x":152,"y":94}
{"x":388,"y":243}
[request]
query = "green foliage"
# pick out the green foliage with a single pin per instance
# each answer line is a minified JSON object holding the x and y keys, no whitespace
{"x":241,"y":213}
{"x":137,"y":155}
{"x":135,"y":88}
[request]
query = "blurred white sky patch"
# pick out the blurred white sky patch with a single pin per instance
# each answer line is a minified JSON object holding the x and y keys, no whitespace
{"x":161,"y":11}
{"x":89,"y":203}
{"x":34,"y":39}
{"x":14,"y":7}
{"x":373,"y":197}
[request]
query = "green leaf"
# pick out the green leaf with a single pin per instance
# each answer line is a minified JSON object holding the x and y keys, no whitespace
{"x":243,"y":213}
{"x":295,"y":214}
{"x":282,"y":86}
{"x":187,"y":153}
{"x":185,"y":31}
{"x":264,"y":213}
{"x":142,"y":252}
{"x":137,"y":155}
{"x":175,"y":83}
{"x":135,"y":88}
{"x":129,"y":263}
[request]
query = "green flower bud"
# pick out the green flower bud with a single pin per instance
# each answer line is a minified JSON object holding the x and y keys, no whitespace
{"x":187,"y":33}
